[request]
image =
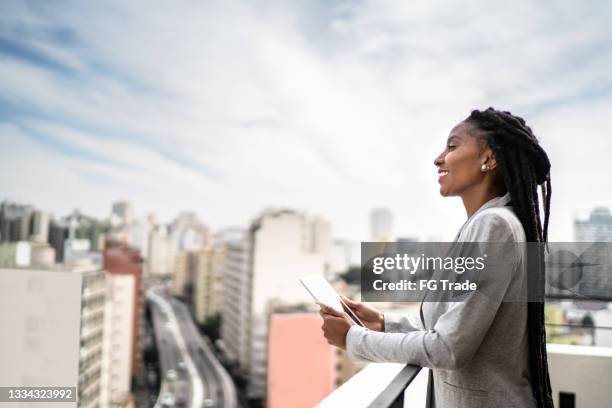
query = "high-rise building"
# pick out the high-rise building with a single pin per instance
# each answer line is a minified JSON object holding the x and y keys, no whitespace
{"x":236,"y":311}
{"x":381,"y":225}
{"x":345,"y":254}
{"x":40,"y":227}
{"x":295,"y":340}
{"x":15,"y":221}
{"x":278,"y":250}
{"x":160,"y":262}
{"x":597,"y":228}
{"x":596,"y":281}
{"x":124,"y":266}
{"x":122,"y":213}
{"x":58,"y":234}
{"x":117,"y":349}
{"x":188,"y":232}
{"x":55,"y":325}
{"x":93,"y":298}
{"x":81,"y":226}
{"x":208,"y":293}
{"x":182,"y":273}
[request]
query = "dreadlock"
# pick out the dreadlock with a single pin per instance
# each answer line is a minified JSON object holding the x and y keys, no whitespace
{"x":523,"y":166}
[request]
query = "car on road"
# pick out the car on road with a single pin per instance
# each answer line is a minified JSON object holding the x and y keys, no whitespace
{"x":181,"y":365}
{"x":209,"y":402}
{"x":171,"y":375}
{"x":167,"y":400}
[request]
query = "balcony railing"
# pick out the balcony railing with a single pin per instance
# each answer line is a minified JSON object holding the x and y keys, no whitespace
{"x":580,"y":377}
{"x":381,"y":385}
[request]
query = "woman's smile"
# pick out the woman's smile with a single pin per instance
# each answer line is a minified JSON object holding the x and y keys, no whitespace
{"x":441,"y":174}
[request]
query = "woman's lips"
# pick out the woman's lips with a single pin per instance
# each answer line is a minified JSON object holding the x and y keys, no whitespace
{"x":441,"y":174}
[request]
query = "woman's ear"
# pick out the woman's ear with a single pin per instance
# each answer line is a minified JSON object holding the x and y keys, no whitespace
{"x":490,"y":160}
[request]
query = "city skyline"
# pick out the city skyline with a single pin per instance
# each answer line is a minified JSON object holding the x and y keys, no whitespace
{"x":333,"y":109}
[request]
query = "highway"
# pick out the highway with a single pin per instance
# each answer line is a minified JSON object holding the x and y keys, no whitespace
{"x":199,"y":380}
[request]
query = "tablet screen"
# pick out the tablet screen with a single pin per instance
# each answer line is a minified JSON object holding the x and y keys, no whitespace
{"x":320,"y":289}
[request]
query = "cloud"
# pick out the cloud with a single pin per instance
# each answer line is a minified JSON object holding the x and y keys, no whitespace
{"x":332,"y":107}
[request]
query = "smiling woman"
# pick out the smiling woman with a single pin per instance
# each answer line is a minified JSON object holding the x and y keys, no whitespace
{"x":483,"y":351}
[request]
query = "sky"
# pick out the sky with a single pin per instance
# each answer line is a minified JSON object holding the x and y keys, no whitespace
{"x":329,"y":107}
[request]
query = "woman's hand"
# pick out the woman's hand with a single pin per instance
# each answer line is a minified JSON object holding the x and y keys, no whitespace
{"x":335,"y":325}
{"x":372,"y":318}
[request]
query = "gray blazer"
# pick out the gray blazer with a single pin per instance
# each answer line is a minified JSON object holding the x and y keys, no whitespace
{"x":477,"y":348}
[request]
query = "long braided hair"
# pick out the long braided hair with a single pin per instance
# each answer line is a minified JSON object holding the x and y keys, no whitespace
{"x":523,"y":166}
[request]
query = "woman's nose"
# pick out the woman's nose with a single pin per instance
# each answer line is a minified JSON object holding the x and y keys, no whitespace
{"x":439,"y":160}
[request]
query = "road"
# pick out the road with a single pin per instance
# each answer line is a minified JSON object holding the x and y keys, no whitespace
{"x":181,"y":384}
{"x":212,"y":384}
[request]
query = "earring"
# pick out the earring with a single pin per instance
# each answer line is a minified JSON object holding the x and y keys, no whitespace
{"x":484,"y":168}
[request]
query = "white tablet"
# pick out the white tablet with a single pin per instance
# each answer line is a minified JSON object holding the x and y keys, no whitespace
{"x":320,"y":289}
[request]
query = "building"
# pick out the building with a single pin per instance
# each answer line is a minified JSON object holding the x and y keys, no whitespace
{"x":122,"y":213}
{"x":55,"y":325}
{"x":301,"y":364}
{"x":15,"y":221}
{"x":75,"y":249}
{"x":39,"y":231}
{"x":117,"y":351}
{"x":93,"y":298}
{"x":208,"y":291}
{"x":381,"y":225}
{"x":597,"y":228}
{"x":160,"y":263}
{"x":345,"y":254}
{"x":596,"y":281}
{"x":58,"y":234}
{"x":188,"y":232}
{"x":81,"y":226}
{"x":236,"y":311}
{"x":124,"y":266}
{"x":42,"y":255}
{"x":182,"y":273}
{"x":15,"y":254}
{"x":264,"y":272}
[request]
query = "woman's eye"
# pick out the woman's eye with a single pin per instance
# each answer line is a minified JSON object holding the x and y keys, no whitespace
{"x":450,"y":147}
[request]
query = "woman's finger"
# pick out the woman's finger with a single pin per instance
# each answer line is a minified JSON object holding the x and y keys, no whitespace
{"x":329,"y":310}
{"x":350,"y":303}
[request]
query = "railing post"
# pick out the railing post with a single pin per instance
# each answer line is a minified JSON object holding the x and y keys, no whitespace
{"x":393,"y":395}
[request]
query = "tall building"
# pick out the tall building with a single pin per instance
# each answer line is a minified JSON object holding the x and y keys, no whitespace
{"x":596,"y":281}
{"x":55,"y":325}
{"x":160,"y":262}
{"x":288,"y":385}
{"x":117,"y":349}
{"x":40,"y":227}
{"x":265,"y":270}
{"x":236,"y":311}
{"x":81,"y":226}
{"x":345,"y":254}
{"x":93,"y":298}
{"x":122,"y":213}
{"x":597,"y":228}
{"x":182,"y":273}
{"x":15,"y":221}
{"x":124,"y":266}
{"x":188,"y":232}
{"x":58,"y":234}
{"x":208,"y":293}
{"x":381,"y":225}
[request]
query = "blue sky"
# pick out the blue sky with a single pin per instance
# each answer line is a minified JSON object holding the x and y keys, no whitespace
{"x":329,"y":107}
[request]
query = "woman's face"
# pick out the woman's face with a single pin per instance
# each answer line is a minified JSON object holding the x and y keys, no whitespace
{"x":459,"y":165}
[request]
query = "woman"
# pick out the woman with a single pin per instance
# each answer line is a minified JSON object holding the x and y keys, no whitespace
{"x":482,"y":351}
